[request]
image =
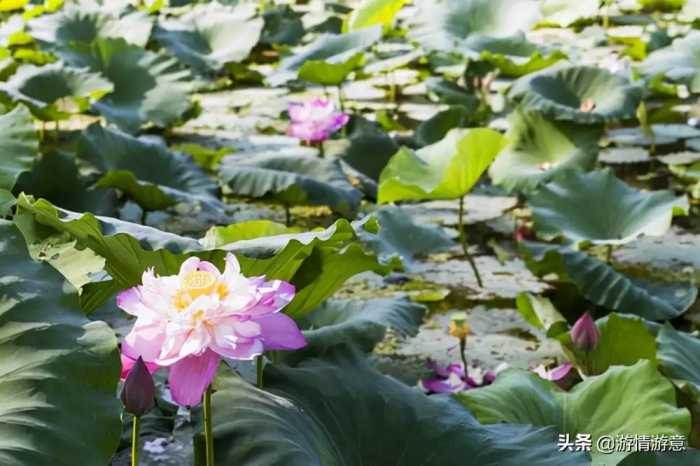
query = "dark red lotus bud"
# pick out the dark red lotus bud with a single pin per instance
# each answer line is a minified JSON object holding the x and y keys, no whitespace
{"x":139,"y":391}
{"x":585,"y":333}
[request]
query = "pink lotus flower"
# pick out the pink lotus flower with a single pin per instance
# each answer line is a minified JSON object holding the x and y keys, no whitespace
{"x":315,"y":121}
{"x":452,"y":379}
{"x":189,"y":321}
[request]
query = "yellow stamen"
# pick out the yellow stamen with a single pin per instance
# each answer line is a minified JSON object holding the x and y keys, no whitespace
{"x":196,"y":284}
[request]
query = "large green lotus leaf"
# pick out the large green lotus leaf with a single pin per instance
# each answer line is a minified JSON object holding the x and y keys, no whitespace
{"x":211,"y":35}
{"x":679,"y":62}
{"x":539,"y":149}
{"x":149,"y":173}
{"x":400,"y":235}
{"x":148,"y":196}
{"x":564,"y":94}
{"x":465,"y":25}
{"x":602,"y":285}
{"x":539,"y":312}
{"x":329,"y":73}
{"x":564,"y":13}
{"x":283,"y":25}
{"x":317,"y":263}
{"x":251,"y":229}
{"x":373,"y":13}
{"x":661,"y":5}
{"x":79,"y":24}
{"x":624,"y":400}
{"x":7,"y":202}
{"x":148,"y":86}
{"x":679,"y":355}
{"x":689,"y":457}
{"x":329,"y":48}
{"x":445,"y":170}
{"x":291,"y":179}
{"x":515,"y":56}
{"x":339,"y":410}
{"x":621,"y":214}
{"x":370,"y":147}
{"x":517,"y":66}
{"x":20,"y":145}
{"x":55,"y":176}
{"x":624,"y":341}
{"x":55,"y":91}
{"x":55,"y":365}
{"x":360,"y":323}
{"x":436,"y":128}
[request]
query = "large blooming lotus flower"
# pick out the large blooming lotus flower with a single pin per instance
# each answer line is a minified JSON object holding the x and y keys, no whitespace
{"x":315,"y":121}
{"x":189,"y":321}
{"x":453,"y":379}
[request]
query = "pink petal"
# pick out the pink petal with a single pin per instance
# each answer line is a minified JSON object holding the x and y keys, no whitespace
{"x":273,"y":297}
{"x":297,"y":111}
{"x":232,"y":265}
{"x":129,"y":301}
{"x":439,"y":385}
{"x":146,"y":339}
{"x":129,"y":357}
{"x":244,"y":349}
{"x":560,"y":372}
{"x":190,"y":265}
{"x":338,"y":121}
{"x":190,"y":377}
{"x":280,"y":332}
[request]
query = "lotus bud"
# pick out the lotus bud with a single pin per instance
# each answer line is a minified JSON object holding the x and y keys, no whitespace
{"x":585,"y":333}
{"x":459,"y":327}
{"x":139,"y":391}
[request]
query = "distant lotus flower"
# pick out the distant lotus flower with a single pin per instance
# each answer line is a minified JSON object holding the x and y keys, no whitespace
{"x":585,"y":333}
{"x":188,"y":321}
{"x":452,"y":379}
{"x":315,"y":121}
{"x":139,"y":391}
{"x":459,"y":327}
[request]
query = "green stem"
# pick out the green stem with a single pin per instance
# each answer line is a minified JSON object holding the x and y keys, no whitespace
{"x":609,"y":253}
{"x":208,"y":431}
{"x":260,"y":365}
{"x":463,"y":354}
{"x":144,"y":216}
{"x":135,"y":428}
{"x":287,"y":215}
{"x":341,"y":100}
{"x":321,"y":150}
{"x":465,"y":244}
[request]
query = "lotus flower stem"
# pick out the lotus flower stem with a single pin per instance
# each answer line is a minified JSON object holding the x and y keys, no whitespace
{"x":609,"y":253}
{"x":135,"y":428}
{"x":144,"y":216}
{"x":260,"y":365}
{"x":465,"y":244}
{"x":463,"y":354}
{"x":287,"y":215}
{"x":208,"y":432}
{"x":321,"y":150}
{"x":341,"y":100}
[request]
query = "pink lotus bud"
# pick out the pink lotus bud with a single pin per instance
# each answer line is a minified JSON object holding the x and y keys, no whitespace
{"x":585,"y":333}
{"x":139,"y":390}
